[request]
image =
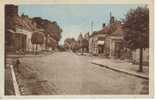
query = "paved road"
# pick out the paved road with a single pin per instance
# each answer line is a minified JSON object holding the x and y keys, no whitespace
{"x":72,"y":74}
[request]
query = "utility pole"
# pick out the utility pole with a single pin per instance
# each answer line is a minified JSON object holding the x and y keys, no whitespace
{"x":110,"y":14}
{"x":92,"y":27}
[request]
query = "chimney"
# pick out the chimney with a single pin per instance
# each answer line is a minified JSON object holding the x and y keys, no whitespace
{"x":103,"y":25}
{"x":112,"y":20}
{"x":11,"y":10}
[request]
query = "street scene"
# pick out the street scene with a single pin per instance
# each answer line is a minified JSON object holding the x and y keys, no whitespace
{"x":76,"y":50}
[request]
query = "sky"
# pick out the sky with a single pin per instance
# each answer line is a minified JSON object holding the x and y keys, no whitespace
{"x":76,"y":19}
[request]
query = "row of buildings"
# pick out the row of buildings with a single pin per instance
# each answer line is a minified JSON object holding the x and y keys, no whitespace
{"x":109,"y":42}
{"x":19,"y":30}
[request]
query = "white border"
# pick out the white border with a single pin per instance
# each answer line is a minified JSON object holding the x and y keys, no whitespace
{"x":149,"y":2}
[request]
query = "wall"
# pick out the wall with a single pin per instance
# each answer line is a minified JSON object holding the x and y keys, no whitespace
{"x":135,"y":55}
{"x":29,"y":46}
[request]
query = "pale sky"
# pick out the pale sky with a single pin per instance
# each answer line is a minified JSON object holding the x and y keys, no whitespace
{"x":76,"y":19}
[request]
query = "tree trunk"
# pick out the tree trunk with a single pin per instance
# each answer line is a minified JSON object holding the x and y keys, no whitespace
{"x":141,"y":60}
{"x":46,"y":42}
{"x":36,"y":49}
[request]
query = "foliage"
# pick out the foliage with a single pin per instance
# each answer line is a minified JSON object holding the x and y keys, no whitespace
{"x":69,"y":42}
{"x":37,"y":38}
{"x":84,"y":43}
{"x":136,"y":31}
{"x":51,"y":28}
{"x":136,"y":28}
{"x":75,"y":46}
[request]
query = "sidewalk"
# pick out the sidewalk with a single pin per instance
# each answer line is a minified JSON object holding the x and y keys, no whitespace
{"x":9,"y":88}
{"x":122,"y":66}
{"x":28,"y":55}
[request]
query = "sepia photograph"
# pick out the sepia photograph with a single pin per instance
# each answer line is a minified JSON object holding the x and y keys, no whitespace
{"x":77,"y":49}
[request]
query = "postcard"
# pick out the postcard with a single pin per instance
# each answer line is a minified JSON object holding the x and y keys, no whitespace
{"x":77,"y":49}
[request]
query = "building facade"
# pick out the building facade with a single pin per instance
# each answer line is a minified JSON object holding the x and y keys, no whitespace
{"x":96,"y":43}
{"x":109,"y":41}
{"x":114,"y":42}
{"x":18,"y":31}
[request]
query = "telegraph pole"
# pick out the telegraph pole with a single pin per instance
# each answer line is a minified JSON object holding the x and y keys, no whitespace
{"x":92,"y":27}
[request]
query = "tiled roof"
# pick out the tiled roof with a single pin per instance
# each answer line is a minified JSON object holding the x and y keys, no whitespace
{"x":118,"y":32}
{"x":25,"y":23}
{"x":105,"y":30}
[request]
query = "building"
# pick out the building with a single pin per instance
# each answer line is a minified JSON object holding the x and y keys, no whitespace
{"x":114,"y":42}
{"x":110,"y":42}
{"x":52,"y":31}
{"x":86,"y":36}
{"x":18,"y":31}
{"x":97,"y":40}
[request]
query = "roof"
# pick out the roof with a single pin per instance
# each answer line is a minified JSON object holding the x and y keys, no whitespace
{"x":25,"y":23}
{"x":105,"y":30}
{"x":118,"y":32}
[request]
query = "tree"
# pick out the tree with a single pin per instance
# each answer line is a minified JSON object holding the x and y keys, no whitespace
{"x":69,"y":42}
{"x":37,"y":39}
{"x":52,"y":43}
{"x":84,"y":44}
{"x":75,"y":46}
{"x":51,"y":29}
{"x":136,"y":31}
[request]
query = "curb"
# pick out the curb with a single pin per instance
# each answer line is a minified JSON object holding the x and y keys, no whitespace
{"x":123,"y":71}
{"x":16,"y":88}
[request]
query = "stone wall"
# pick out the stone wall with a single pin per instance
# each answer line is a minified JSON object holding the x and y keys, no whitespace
{"x":135,"y":55}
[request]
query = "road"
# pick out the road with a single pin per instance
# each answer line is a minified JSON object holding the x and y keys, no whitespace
{"x":72,"y":74}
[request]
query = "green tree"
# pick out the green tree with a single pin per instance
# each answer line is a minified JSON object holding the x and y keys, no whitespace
{"x":37,"y":39}
{"x":136,"y":31}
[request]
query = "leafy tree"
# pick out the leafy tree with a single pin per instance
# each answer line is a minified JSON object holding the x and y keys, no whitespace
{"x":84,"y":44}
{"x":51,"y":29}
{"x":37,"y":39}
{"x":69,"y":42}
{"x":52,"y":43}
{"x":136,"y":31}
{"x":75,"y":46}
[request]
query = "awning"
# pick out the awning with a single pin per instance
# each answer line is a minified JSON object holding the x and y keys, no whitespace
{"x":100,"y":42}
